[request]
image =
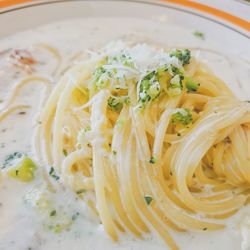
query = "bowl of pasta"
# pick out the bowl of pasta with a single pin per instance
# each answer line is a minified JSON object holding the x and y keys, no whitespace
{"x":123,"y":125}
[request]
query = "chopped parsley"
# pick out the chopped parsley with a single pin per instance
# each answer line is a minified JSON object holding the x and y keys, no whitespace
{"x":183,"y":116}
{"x":175,"y":86}
{"x":81,"y":191}
{"x":116,"y":103}
{"x":199,"y":35}
{"x":148,"y":199}
{"x":153,"y":160}
{"x":52,"y":213}
{"x":150,"y":87}
{"x":113,"y":70}
{"x":101,"y":77}
{"x":88,"y":128}
{"x":184,"y":55}
{"x":75,"y":216}
{"x":191,"y":85}
{"x":52,"y":173}
{"x":124,"y":59}
{"x":151,"y":84}
{"x":173,"y":70}
{"x":153,"y":73}
{"x":10,"y":158}
{"x":65,"y":152}
{"x":114,"y":152}
{"x":58,"y":228}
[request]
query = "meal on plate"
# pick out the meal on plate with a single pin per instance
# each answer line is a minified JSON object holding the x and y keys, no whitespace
{"x":147,"y":139}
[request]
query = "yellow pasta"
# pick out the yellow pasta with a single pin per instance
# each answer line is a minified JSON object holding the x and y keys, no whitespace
{"x":162,"y":142}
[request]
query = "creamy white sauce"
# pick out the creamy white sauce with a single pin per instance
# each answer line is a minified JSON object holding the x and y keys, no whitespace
{"x":22,"y":225}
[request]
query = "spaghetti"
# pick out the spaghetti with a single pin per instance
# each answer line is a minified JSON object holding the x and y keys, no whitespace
{"x":152,"y":140}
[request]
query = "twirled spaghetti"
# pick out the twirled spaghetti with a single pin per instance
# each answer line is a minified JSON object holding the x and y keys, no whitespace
{"x":152,"y":138}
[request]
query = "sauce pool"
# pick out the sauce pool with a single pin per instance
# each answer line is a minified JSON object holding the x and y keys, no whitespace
{"x":65,"y":222}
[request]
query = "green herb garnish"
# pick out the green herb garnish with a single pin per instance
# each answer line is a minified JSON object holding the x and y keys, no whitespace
{"x":148,"y":199}
{"x":115,"y":103}
{"x":81,"y":191}
{"x":199,"y":34}
{"x":175,"y":86}
{"x":191,"y":85}
{"x":88,"y":128}
{"x":10,"y":158}
{"x":153,"y":160}
{"x":183,"y":116}
{"x":52,"y":213}
{"x":52,"y":173}
{"x":65,"y":152}
{"x":150,"y":87}
{"x":184,"y":55}
{"x":58,"y":228}
{"x":101,"y":77}
{"x":75,"y":216}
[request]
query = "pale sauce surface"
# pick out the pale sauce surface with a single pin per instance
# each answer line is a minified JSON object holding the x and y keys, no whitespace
{"x":22,"y":226}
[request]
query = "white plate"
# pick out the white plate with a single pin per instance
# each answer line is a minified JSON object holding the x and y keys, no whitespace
{"x":226,"y":46}
{"x":227,"y":36}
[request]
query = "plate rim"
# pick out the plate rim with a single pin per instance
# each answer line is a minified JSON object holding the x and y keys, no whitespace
{"x":189,"y":7}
